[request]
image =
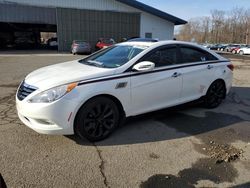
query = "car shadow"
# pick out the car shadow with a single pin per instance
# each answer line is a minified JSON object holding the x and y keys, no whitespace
{"x":177,"y":122}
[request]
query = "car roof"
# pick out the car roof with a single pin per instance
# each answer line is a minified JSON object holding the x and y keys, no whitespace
{"x":136,"y":43}
{"x":164,"y":42}
{"x":143,"y":40}
{"x":168,"y":42}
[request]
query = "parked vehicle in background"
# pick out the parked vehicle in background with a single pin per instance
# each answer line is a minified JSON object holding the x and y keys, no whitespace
{"x":6,"y":39}
{"x":206,"y":45}
{"x":143,"y":40}
{"x":52,"y":43}
{"x":230,"y":47}
{"x":223,"y":47}
{"x":80,"y":47}
{"x":24,"y":40}
{"x":104,"y":43}
{"x":92,"y":96}
{"x":236,"y":49}
{"x":215,"y":47}
{"x":244,"y":51}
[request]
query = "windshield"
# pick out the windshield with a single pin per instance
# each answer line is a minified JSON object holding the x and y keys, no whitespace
{"x":80,"y":42}
{"x":113,"y":57}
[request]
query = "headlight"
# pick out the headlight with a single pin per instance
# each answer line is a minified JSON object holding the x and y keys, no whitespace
{"x":53,"y":94}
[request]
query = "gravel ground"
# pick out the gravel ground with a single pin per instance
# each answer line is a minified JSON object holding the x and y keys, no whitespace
{"x":187,"y":146}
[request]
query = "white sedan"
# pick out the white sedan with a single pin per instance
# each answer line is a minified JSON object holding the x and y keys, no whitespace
{"x":91,"y":97}
{"x":244,"y":51}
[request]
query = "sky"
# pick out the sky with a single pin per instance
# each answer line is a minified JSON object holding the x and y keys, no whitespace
{"x":187,"y":9}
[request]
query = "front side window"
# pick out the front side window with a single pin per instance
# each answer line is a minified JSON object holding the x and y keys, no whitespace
{"x":114,"y":56}
{"x":163,"y":57}
{"x":191,"y":55}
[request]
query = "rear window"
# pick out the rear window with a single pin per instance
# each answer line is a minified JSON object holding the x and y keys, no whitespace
{"x":191,"y":55}
{"x":80,"y":42}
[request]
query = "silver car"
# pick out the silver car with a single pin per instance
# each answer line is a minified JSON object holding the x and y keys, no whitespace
{"x":80,"y":47}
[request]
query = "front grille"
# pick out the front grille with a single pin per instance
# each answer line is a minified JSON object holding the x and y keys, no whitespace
{"x":25,"y":90}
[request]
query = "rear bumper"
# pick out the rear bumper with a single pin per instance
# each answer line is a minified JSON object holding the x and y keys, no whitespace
{"x":81,"y":50}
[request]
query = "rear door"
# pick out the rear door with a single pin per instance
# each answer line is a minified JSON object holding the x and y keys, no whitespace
{"x":247,"y":51}
{"x":198,"y":72}
{"x":159,"y":88}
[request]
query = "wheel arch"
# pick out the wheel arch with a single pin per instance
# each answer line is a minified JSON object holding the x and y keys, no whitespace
{"x":221,"y":80}
{"x":113,"y":98}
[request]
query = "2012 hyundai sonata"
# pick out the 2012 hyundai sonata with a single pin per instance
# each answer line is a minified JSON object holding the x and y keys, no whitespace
{"x":90,"y":97}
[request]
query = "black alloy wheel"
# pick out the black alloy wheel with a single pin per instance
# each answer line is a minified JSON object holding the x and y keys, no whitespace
{"x":215,"y":94}
{"x":97,"y":119}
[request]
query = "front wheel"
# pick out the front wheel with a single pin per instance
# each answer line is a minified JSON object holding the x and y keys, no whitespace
{"x":241,"y":52}
{"x":97,"y":119}
{"x":215,"y":94}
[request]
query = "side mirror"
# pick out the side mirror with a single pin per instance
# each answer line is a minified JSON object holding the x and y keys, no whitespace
{"x":144,"y":66}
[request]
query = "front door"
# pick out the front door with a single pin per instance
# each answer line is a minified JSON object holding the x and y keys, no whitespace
{"x":159,"y":88}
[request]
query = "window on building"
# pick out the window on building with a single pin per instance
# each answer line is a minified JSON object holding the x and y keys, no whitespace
{"x":148,"y":35}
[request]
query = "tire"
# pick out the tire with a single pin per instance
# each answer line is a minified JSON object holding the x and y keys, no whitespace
{"x":97,"y":119}
{"x":234,"y":52}
{"x":215,"y":94}
{"x":241,"y":52}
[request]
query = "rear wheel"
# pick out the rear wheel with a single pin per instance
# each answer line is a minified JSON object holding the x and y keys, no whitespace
{"x":97,"y":119}
{"x":215,"y":94}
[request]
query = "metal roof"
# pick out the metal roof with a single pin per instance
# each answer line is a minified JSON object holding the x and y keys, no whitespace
{"x":154,"y":11}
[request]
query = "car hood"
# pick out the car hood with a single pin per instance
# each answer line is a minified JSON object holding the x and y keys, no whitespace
{"x":64,"y":73}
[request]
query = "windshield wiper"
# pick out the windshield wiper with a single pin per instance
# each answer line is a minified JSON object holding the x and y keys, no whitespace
{"x":93,"y":63}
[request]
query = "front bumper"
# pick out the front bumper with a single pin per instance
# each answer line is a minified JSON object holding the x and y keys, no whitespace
{"x":55,"y":118}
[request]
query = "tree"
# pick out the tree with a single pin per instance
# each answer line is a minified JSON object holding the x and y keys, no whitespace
{"x":221,"y":27}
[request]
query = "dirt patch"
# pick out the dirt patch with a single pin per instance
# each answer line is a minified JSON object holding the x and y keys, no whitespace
{"x":154,"y":156}
{"x":222,"y":152}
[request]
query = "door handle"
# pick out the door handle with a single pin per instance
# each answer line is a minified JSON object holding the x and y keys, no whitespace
{"x":176,"y":74}
{"x":210,"y":67}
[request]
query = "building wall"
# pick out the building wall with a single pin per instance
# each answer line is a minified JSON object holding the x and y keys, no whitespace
{"x":75,"y":24}
{"x":159,"y":28}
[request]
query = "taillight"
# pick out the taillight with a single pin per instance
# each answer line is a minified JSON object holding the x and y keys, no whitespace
{"x":231,"y":67}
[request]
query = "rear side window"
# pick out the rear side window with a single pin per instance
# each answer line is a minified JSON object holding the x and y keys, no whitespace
{"x":163,"y":57}
{"x":191,"y":55}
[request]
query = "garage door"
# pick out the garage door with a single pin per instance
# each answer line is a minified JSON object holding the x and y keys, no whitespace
{"x":89,"y":25}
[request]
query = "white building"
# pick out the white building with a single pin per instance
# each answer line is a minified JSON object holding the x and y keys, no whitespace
{"x":90,"y":19}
